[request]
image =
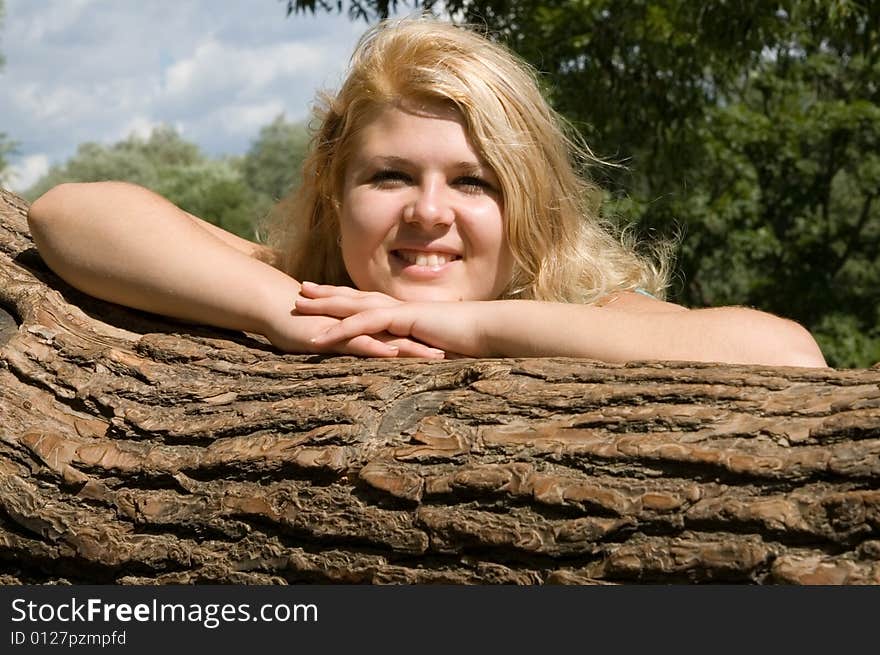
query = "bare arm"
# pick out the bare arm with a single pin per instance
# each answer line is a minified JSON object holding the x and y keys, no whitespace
{"x":125,"y":244}
{"x":626,"y":327}
{"x":643,"y":329}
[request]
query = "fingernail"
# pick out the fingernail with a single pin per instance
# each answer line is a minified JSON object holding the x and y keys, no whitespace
{"x":306,"y":283}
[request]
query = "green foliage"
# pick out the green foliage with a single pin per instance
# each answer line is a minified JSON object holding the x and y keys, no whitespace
{"x":750,"y":128}
{"x":234,"y":193}
{"x":215,"y":190}
{"x":365,"y":9}
{"x":134,"y":160}
{"x":272,"y":165}
{"x":7,"y":147}
{"x":844,"y":341}
{"x":779,"y":191}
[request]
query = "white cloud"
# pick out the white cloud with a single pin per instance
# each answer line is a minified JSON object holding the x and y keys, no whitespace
{"x":98,"y":70}
{"x":215,"y":66}
{"x":139,"y":126}
{"x":55,"y":104}
{"x":27,"y":171}
{"x":248,"y":119}
{"x":50,"y":21}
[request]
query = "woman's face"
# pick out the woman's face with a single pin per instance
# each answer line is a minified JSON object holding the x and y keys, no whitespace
{"x":421,"y":216}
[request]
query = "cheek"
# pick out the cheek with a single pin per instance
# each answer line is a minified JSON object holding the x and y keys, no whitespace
{"x":365,"y":219}
{"x":494,"y":239}
{"x":353,"y":246}
{"x":363,"y":234}
{"x":487,"y":232}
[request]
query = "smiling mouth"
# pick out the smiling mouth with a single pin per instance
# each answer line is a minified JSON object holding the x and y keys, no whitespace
{"x":429,"y":259}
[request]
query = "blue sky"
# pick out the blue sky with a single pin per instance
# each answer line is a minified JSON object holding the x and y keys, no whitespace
{"x":100,"y":70}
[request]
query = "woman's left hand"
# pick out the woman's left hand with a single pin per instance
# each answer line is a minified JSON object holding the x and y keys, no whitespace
{"x":451,"y":326}
{"x":338,"y":301}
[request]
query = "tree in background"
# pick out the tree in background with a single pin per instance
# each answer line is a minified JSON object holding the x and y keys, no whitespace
{"x":7,"y":147}
{"x":211,"y":189}
{"x":750,"y":127}
{"x":232,"y":192}
{"x":272,"y":165}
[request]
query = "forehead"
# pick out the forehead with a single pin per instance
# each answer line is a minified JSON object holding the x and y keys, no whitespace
{"x":414,"y":128}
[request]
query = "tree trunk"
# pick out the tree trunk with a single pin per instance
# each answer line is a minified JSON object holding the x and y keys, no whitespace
{"x":138,"y":450}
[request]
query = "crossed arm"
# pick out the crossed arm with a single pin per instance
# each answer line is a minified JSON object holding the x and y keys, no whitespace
{"x":161,"y":259}
{"x":630,"y":328}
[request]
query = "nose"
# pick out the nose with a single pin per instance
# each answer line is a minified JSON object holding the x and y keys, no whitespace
{"x":430,"y":206}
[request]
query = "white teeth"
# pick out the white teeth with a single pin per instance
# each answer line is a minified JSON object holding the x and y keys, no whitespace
{"x":432,"y":260}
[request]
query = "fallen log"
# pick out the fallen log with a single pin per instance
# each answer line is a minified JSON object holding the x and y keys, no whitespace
{"x":138,"y":450}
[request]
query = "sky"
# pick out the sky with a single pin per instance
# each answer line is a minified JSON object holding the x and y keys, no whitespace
{"x":101,"y":70}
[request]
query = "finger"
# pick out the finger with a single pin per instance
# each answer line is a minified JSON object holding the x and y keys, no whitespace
{"x":313,"y":290}
{"x":386,"y":346}
{"x":335,"y":306}
{"x":398,"y":326}
{"x":364,"y":345}
{"x":372,"y":321}
{"x":338,"y":306}
{"x":410,"y":348}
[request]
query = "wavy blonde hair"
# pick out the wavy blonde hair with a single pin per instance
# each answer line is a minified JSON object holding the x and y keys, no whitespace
{"x":563,"y":251}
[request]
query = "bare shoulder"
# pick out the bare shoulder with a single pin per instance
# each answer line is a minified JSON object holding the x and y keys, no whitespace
{"x":629,"y":301}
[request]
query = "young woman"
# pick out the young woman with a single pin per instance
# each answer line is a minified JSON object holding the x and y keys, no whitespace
{"x":440,"y":214}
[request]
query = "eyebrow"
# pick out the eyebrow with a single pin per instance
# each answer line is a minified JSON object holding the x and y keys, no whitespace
{"x":402,"y":162}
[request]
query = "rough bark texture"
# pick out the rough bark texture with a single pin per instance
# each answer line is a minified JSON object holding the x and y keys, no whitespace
{"x":138,"y":450}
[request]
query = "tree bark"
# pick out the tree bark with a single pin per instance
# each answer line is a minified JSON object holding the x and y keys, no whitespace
{"x":134,"y":449}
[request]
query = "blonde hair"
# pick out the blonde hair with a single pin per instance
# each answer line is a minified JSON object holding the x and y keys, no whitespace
{"x":562,"y":250}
